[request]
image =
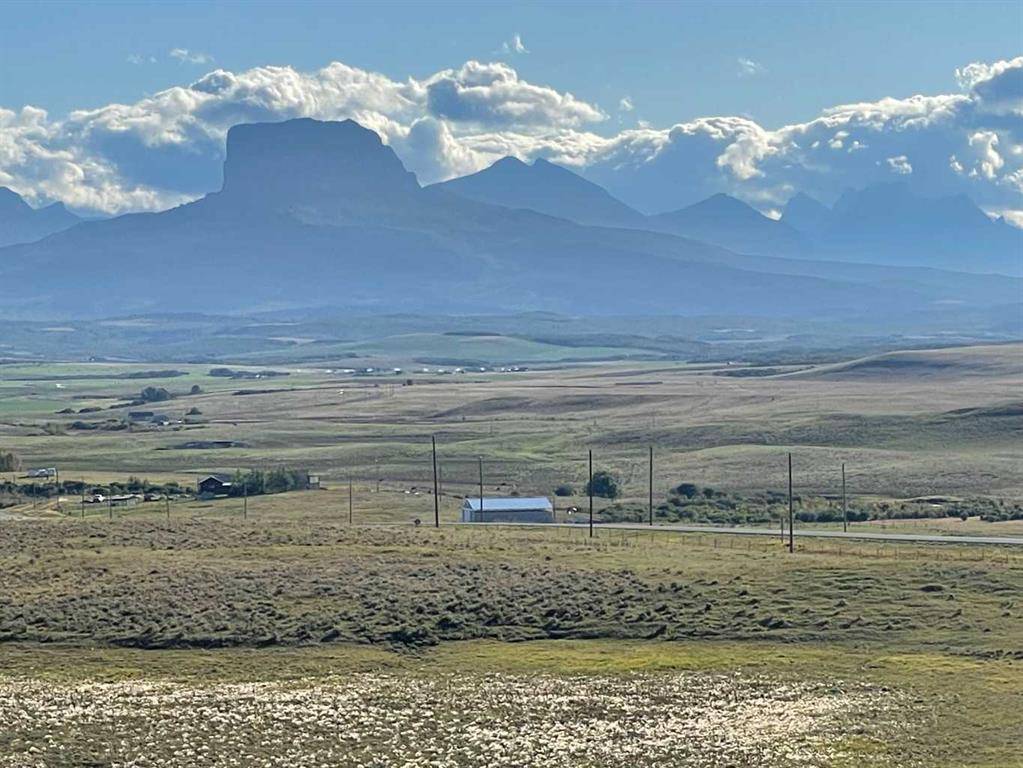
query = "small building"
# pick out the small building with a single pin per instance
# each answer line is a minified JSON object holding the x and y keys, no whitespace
{"x":313,"y":482}
{"x":508,"y":509}
{"x":128,"y":500}
{"x":140,"y":415}
{"x":214,"y":485}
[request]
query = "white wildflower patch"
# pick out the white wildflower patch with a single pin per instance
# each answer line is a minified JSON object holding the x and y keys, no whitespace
{"x":392,"y":721}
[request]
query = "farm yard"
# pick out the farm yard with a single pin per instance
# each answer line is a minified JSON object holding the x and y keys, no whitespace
{"x":268,"y":631}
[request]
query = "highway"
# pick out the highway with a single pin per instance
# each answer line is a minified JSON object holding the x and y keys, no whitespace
{"x":856,"y":535}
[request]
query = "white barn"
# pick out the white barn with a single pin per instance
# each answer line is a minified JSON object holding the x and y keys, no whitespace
{"x":509,"y":509}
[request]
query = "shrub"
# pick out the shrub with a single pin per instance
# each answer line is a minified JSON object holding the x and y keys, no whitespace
{"x":603,"y":484}
{"x":564,"y":490}
{"x":154,"y":395}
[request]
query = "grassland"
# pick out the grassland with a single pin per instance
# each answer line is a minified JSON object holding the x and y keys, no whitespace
{"x":195,"y":636}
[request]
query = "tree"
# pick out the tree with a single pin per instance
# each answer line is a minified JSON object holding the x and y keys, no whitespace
{"x":604,"y":484}
{"x":195,"y":390}
{"x":154,"y":395}
{"x":689,"y":490}
{"x":564,"y":490}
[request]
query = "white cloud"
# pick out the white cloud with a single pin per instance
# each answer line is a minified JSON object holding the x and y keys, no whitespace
{"x":625,"y":104}
{"x":493,"y":94}
{"x":190,"y":57}
{"x":168,"y":147}
{"x":899,"y":165}
{"x":749,"y":68}
{"x":515,"y":45}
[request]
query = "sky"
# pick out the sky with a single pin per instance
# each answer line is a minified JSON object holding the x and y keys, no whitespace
{"x":113,"y":107}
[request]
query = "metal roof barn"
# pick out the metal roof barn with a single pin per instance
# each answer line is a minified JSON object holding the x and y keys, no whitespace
{"x":514,"y":509}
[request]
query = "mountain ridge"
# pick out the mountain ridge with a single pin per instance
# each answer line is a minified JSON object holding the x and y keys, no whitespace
{"x":318,"y":213}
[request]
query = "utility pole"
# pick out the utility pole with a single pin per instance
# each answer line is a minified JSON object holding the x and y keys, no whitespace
{"x":650,"y":487}
{"x":589,"y":487}
{"x":481,"y":490}
{"x":83,"y":498}
{"x":351,"y":515}
{"x":845,"y":509}
{"x":166,"y":502}
{"x":245,"y":500}
{"x":436,"y":485}
{"x":792,"y":543}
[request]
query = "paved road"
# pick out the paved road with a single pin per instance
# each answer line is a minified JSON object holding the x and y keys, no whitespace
{"x":920,"y":538}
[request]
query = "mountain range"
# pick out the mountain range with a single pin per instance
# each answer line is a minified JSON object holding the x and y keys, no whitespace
{"x":21,"y":223}
{"x":317,"y":213}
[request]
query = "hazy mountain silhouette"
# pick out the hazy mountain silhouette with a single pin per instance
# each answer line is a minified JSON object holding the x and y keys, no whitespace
{"x":731,"y":223}
{"x":21,"y":223}
{"x":889,"y":224}
{"x":546,"y":188}
{"x":323,"y":214}
{"x":807,"y":215}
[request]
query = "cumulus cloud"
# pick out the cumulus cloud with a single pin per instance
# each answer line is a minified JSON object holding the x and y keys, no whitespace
{"x":493,"y":94}
{"x":168,"y":147}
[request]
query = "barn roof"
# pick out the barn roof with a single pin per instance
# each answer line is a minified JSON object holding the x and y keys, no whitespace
{"x":508,"y":504}
{"x":220,"y":478}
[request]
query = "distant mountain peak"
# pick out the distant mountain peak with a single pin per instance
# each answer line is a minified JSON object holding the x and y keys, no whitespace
{"x":544,"y":187}
{"x":11,"y":201}
{"x":21,"y":223}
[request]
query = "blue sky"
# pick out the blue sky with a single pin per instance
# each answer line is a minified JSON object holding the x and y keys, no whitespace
{"x":675,"y":61}
{"x":113,"y":107}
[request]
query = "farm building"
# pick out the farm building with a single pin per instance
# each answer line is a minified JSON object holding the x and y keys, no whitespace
{"x":214,"y":485}
{"x":515,"y":509}
{"x":128,"y":500}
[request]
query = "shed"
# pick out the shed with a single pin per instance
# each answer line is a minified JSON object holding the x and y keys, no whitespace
{"x":513,"y":509}
{"x":215,"y":485}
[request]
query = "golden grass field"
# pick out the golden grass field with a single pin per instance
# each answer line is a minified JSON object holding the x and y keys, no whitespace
{"x":288,"y":637}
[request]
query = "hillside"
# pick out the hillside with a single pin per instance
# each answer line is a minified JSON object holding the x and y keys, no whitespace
{"x":953,"y":363}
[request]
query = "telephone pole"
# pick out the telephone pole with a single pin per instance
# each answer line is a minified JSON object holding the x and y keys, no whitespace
{"x":589,"y":487}
{"x":436,"y":487}
{"x":481,"y":490}
{"x":245,"y":499}
{"x":845,"y":509}
{"x":650,"y":487}
{"x":792,"y":543}
{"x":351,"y":516}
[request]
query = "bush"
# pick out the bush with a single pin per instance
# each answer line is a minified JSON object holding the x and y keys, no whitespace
{"x":689,"y":490}
{"x":154,"y":395}
{"x":193,"y":411}
{"x":564,"y":490}
{"x":195,"y":390}
{"x":604,"y":485}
